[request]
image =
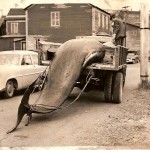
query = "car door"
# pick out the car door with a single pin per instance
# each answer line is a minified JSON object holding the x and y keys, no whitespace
{"x":28,"y":70}
{"x":39,"y":68}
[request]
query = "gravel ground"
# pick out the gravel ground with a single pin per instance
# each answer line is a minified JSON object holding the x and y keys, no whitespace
{"x":88,"y":122}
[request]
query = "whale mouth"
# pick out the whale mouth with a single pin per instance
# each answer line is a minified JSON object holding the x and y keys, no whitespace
{"x":70,"y":60}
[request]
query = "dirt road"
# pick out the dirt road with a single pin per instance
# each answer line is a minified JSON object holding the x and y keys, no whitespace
{"x":88,"y":122}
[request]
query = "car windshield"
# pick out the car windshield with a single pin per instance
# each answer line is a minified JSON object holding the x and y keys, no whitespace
{"x":131,"y":54}
{"x":9,"y":59}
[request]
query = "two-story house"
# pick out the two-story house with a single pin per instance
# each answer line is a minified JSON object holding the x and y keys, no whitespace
{"x":2,"y":26}
{"x":61,"y":22}
{"x":14,"y":36}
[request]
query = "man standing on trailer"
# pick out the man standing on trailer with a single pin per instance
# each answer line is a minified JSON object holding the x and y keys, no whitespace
{"x":119,"y":32}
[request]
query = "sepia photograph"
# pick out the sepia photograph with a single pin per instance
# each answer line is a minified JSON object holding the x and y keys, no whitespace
{"x":74,"y":74}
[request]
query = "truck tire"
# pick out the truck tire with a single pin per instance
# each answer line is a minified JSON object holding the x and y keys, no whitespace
{"x":124,"y":75}
{"x":108,"y":88}
{"x":117,"y":88}
{"x":124,"y":80}
{"x":10,"y":89}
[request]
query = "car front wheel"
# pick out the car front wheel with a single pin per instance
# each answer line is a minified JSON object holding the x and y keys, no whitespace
{"x":10,"y":89}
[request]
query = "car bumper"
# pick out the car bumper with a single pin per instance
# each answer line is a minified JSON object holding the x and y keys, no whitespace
{"x":130,"y":61}
{"x":2,"y":86}
{"x":3,"y":89}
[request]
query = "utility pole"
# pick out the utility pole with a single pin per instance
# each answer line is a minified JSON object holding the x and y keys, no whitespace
{"x":144,"y":44}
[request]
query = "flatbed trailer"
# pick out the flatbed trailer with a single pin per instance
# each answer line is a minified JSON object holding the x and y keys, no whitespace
{"x":109,"y":75}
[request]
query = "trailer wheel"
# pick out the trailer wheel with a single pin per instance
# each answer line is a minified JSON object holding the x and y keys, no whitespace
{"x":124,"y":80}
{"x":108,"y":88}
{"x":117,"y":88}
{"x":124,"y":74}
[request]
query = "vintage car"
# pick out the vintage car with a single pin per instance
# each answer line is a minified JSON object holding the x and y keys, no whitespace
{"x":132,"y":57}
{"x":19,"y":68}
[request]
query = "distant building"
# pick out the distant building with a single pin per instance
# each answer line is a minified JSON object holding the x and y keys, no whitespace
{"x":133,"y":17}
{"x":14,"y":30}
{"x":133,"y":37}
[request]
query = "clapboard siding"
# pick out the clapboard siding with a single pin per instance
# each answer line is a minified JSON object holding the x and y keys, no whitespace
{"x":75,"y":20}
{"x":6,"y":44}
{"x":133,"y":37}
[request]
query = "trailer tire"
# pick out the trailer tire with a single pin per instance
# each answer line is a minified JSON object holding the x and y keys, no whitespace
{"x":124,"y":74}
{"x":117,"y":88}
{"x":124,"y":80}
{"x":108,"y":88}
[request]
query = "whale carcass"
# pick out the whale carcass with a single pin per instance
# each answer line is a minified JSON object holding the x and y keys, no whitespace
{"x":69,"y":61}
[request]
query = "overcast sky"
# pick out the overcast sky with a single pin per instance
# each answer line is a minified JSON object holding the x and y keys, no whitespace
{"x":5,"y":5}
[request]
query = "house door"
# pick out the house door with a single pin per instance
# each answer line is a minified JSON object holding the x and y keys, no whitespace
{"x":23,"y":45}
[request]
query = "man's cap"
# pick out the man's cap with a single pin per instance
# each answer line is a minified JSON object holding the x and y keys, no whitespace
{"x":113,"y":15}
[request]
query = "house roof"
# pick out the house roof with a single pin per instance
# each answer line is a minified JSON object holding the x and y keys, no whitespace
{"x":16,"y":11}
{"x":29,"y":6}
{"x":1,"y":21}
{"x":137,"y":26}
{"x":99,"y":8}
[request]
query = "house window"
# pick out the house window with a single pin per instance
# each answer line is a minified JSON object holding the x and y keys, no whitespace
{"x":134,"y":33}
{"x":107,"y":22}
{"x":14,"y":28}
{"x":99,"y":19}
{"x":103,"y":21}
{"x":55,"y":19}
{"x":26,"y":60}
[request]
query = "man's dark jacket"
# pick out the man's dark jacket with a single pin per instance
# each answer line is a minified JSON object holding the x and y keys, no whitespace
{"x":118,"y":28}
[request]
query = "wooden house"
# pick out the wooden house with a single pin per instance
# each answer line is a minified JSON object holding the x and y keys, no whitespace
{"x":61,"y":22}
{"x":133,"y":37}
{"x":2,"y":25}
{"x":15,"y":30}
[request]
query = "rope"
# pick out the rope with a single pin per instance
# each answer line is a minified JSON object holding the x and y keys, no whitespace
{"x":43,"y":80}
{"x":55,"y":108}
{"x":80,"y":91}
